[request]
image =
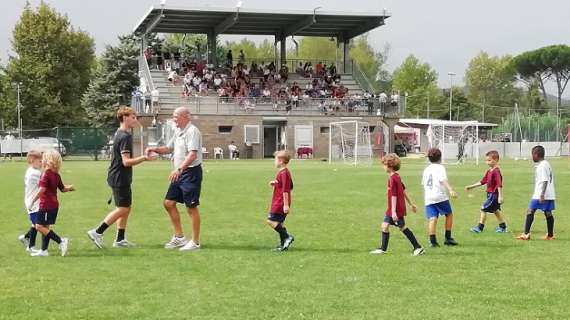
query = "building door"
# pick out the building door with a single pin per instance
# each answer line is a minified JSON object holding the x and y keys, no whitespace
{"x":270,"y":141}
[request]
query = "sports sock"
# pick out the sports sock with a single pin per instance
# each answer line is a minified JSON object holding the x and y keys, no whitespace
{"x":528,"y":222}
{"x":448,"y":234}
{"x":27,"y":234}
{"x":432,"y":239}
{"x":282,"y":233}
{"x":102,"y":228}
{"x":481,"y":226}
{"x":120,"y":235}
{"x":410,"y":235}
{"x":45,"y":242}
{"x":385,"y":240}
{"x":33,"y":233}
{"x":53,"y":236}
{"x":503,"y":225}
{"x":550,"y":224}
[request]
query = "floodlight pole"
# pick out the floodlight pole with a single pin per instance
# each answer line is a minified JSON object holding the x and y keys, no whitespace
{"x":451,"y":74}
{"x":19,"y":107}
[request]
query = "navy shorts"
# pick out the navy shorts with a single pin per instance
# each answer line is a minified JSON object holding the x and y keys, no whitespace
{"x":491,"y":204}
{"x":34,"y":217}
{"x":400,"y":223}
{"x":434,"y":210}
{"x":44,"y":217}
{"x":187,"y":188}
{"x":122,"y":196}
{"x":276,"y":217}
{"x":546,"y":206}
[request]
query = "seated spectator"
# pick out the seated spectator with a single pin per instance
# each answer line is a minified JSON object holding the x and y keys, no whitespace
{"x":203,"y":88}
{"x":217,"y":82}
{"x":255,"y":92}
{"x":266,"y":94}
{"x":394,"y":99}
{"x":196,"y":82}
{"x":172,"y":77}
{"x":233,"y":151}
{"x":319,"y":69}
{"x":284,"y":73}
{"x":300,"y":70}
{"x":295,"y":99}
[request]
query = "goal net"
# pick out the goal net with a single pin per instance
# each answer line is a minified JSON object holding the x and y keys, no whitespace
{"x":349,"y":142}
{"x":458,"y":141}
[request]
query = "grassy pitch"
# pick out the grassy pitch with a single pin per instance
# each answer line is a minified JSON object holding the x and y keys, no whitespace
{"x":327,"y":274}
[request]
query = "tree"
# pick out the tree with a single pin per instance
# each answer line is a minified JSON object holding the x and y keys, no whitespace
{"x":53,"y":63}
{"x":417,"y":80}
{"x":490,"y":82}
{"x":7,"y":102}
{"x":370,"y":61}
{"x":114,"y":80}
{"x":191,"y":45}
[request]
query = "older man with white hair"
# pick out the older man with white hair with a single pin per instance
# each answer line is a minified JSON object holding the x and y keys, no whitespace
{"x":185,"y":179}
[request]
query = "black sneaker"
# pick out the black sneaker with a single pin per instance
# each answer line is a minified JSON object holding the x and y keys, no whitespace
{"x":434,"y":245}
{"x":450,"y":242}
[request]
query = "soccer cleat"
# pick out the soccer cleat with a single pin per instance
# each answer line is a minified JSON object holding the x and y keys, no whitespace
{"x":31,"y":250}
{"x":176,"y":242}
{"x":277,"y":248}
{"x":418,"y":252}
{"x":96,"y":238}
{"x":378,"y":251}
{"x":450,"y":242}
{"x":190,"y":246}
{"x":25,"y":241}
{"x":287,"y":243}
{"x":476,"y":229}
{"x":524,"y":236}
{"x":434,"y":245}
{"x":547,"y":237}
{"x":501,"y":230}
{"x":123,"y":244}
{"x":63,"y":246}
{"x":40,"y":253}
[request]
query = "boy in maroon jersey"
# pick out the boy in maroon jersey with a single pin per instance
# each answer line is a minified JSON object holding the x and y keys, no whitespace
{"x":494,"y":181}
{"x":281,"y":200}
{"x":396,"y":211}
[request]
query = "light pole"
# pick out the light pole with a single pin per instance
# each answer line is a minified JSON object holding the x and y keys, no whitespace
{"x":451,"y":74}
{"x":19,"y":108}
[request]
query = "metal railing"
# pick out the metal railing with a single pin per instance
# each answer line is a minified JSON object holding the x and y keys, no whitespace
{"x":360,"y":77}
{"x":144,"y":71}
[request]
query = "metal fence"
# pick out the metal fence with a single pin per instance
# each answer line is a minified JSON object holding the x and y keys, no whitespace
{"x":87,"y":143}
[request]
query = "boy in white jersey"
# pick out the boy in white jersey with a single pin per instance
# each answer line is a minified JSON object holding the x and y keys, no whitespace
{"x":434,"y":181}
{"x":543,"y":196}
{"x":32,"y":186}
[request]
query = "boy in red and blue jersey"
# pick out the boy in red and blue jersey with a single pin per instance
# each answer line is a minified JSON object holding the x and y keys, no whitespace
{"x":396,"y":211}
{"x":281,"y":200}
{"x":494,"y":182}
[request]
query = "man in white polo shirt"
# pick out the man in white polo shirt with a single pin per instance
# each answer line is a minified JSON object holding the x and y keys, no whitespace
{"x":185,"y":179}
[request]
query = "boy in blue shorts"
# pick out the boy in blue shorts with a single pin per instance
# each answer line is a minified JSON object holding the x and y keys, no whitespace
{"x":543,"y":197}
{"x":434,"y":181}
{"x":32,"y":188}
{"x":494,"y":181}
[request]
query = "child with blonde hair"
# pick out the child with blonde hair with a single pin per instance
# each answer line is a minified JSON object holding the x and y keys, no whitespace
{"x":50,"y":182}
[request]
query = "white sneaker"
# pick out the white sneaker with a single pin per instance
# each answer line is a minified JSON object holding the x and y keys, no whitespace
{"x":176,"y":242}
{"x":190,"y":246}
{"x":378,"y":251}
{"x":287,"y":243}
{"x":123,"y":244}
{"x":96,"y":238}
{"x":418,"y":252}
{"x":40,"y":253}
{"x":25,"y":241}
{"x":31,"y":250}
{"x":63,"y":246}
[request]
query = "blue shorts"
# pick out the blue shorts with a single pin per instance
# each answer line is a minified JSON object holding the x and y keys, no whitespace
{"x":276,"y":217}
{"x":187,"y":188}
{"x":546,"y":206}
{"x":434,"y":210}
{"x":44,"y":217}
{"x":491,"y":204}
{"x":400,"y":223}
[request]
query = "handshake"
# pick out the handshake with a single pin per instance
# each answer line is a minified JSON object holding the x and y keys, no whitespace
{"x":150,"y":154}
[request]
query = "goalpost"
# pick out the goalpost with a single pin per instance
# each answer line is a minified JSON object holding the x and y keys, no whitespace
{"x":349,"y":142}
{"x":458,"y":141}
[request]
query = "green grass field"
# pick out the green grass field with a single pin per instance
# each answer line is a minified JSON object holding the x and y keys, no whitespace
{"x":328,"y":273}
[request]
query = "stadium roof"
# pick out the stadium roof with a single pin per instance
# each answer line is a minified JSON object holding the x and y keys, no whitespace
{"x":437,"y":122}
{"x":245,"y":21}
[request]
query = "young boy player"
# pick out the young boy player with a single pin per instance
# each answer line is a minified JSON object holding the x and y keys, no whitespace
{"x":543,"y":196}
{"x":435,"y":183}
{"x":281,"y":200}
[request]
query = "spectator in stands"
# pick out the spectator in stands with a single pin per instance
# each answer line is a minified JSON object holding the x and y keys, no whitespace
{"x":159,"y":59}
{"x":148,"y":56}
{"x":395,"y":99}
{"x":155,"y":100}
{"x":241,"y":57}
{"x":319,"y":69}
{"x":203,"y":88}
{"x":255,"y":92}
{"x":172,"y":77}
{"x":284,"y":73}
{"x":217,"y":82}
{"x":196,"y":82}
{"x":168,"y":61}
{"x":229,"y":58}
{"x":300,"y":69}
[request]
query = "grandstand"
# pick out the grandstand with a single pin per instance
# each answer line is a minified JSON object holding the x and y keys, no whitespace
{"x":302,"y":98}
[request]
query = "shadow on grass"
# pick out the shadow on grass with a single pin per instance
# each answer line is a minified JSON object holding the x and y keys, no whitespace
{"x":266,"y":248}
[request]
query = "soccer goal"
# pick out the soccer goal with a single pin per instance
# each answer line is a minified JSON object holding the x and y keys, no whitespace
{"x":457,"y":140}
{"x":349,"y":142}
